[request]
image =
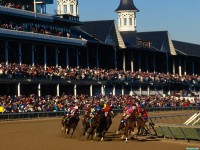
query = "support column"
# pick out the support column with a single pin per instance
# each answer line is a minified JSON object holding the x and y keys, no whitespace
{"x":174,"y":66}
{"x":33,"y":55}
{"x":58,"y":89}
{"x":97,"y":57}
{"x":185,"y":67}
{"x":6,"y":52}
{"x":56,"y":56}
{"x":102,"y":90}
{"x":124,"y":61}
{"x":140,"y":89}
{"x":67,"y":58}
{"x":132,"y":63}
{"x":115,"y":57}
{"x":18,"y":89}
{"x":39,"y":90}
{"x":75,"y":90}
{"x":77,"y":58}
{"x":154,"y":63}
{"x":20,"y":53}
{"x":167,"y":63}
{"x":193,"y":65}
{"x":169,"y":92}
{"x":180,"y":68}
{"x":114,"y":90}
{"x":139,"y":62}
{"x":45,"y":57}
{"x":147,"y":67}
{"x":148,"y":91}
{"x":131,"y":92}
{"x":88,"y":65}
{"x":91,"y":91}
{"x":122,"y":90}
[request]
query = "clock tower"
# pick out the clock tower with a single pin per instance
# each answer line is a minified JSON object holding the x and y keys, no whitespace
{"x":67,"y":7}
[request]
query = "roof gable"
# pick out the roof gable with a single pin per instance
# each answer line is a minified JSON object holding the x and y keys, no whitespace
{"x":160,"y":40}
{"x":98,"y":29}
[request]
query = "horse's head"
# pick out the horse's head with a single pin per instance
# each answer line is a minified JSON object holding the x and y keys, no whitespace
{"x":134,"y":114}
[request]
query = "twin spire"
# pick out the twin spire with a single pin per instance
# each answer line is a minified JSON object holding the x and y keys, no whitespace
{"x":126,"y":12}
{"x":126,"y":5}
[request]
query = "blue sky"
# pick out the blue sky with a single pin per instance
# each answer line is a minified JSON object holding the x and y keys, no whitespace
{"x":180,"y":17}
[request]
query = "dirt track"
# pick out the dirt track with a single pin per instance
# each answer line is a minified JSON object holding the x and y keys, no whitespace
{"x":45,"y":134}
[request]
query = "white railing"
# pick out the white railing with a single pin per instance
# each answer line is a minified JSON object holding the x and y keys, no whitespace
{"x":193,"y":119}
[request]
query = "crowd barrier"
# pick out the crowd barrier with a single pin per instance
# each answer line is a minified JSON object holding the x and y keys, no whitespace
{"x":31,"y":115}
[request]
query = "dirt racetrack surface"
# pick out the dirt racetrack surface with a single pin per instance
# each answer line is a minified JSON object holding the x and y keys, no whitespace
{"x":45,"y":134}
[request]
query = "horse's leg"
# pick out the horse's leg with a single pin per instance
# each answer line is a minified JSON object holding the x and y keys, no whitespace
{"x":119,"y":128}
{"x":67,"y":130}
{"x":72,"y":132}
{"x":63,"y":128}
{"x":90,"y":133}
{"x":126,"y":134}
{"x":138,"y":132}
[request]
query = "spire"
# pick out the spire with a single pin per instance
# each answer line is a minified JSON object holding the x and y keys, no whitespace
{"x":126,"y":13}
{"x":126,"y":5}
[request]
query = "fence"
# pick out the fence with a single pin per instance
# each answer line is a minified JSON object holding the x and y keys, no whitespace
{"x":30,"y":115}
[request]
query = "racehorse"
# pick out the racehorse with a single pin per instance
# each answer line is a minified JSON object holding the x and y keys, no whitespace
{"x":121,"y":126}
{"x":130,"y":124}
{"x":85,"y":123}
{"x":69,"y":125}
{"x":98,"y":124}
{"x":143,"y":128}
{"x":109,"y":117}
{"x":141,"y":125}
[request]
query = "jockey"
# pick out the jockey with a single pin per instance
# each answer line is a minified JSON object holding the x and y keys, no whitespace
{"x":87,"y":109}
{"x":107,"y":109}
{"x":128,"y":112}
{"x":72,"y":111}
{"x":143,"y":113}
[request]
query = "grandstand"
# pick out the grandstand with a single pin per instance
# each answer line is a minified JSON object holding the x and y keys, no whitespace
{"x":105,"y":58}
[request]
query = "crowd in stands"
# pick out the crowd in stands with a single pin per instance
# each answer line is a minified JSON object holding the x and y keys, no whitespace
{"x":16,"y":6}
{"x":25,"y":71}
{"x":33,"y":103}
{"x":33,"y":29}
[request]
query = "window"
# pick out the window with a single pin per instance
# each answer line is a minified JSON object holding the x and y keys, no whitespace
{"x":130,"y":22}
{"x":71,"y":9}
{"x":65,"y":9}
{"x":120,"y":22}
{"x":125,"y":21}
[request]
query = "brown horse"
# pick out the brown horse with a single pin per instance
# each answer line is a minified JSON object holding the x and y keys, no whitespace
{"x":70,"y":124}
{"x":141,"y":125}
{"x":130,"y":124}
{"x":143,"y":128}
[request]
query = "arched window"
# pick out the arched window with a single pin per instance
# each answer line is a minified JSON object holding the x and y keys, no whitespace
{"x":130,"y":21}
{"x":125,"y":21}
{"x":65,"y":9}
{"x":72,"y":9}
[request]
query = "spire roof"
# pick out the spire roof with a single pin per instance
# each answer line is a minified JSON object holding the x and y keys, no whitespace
{"x":126,"y":5}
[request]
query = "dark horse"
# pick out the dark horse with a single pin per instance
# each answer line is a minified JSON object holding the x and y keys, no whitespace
{"x":130,"y":124}
{"x":69,"y":124}
{"x":109,"y":117}
{"x":98,"y":125}
{"x":143,"y":128}
{"x":86,"y":123}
